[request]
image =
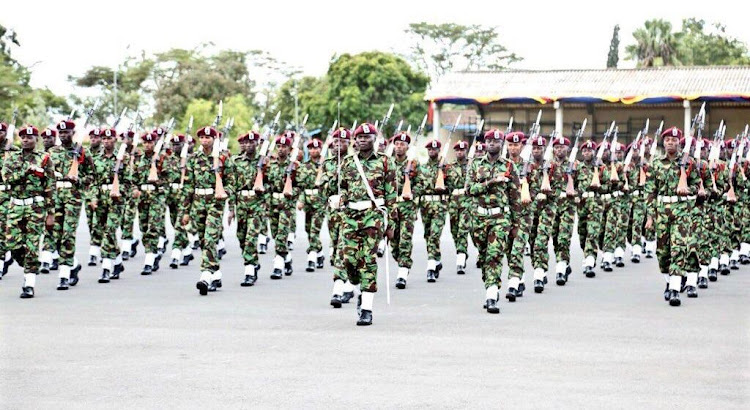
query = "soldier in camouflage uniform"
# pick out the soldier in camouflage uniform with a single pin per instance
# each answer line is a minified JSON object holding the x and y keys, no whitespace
{"x":608,"y":223}
{"x":172,"y":174}
{"x":312,"y":203}
{"x":343,"y":290}
{"x":566,"y":206}
{"x":95,"y":220}
{"x":715,"y":221}
{"x":520,"y":218}
{"x":432,"y":208}
{"x":69,"y":193}
{"x":459,"y":203}
{"x":736,"y":212}
{"x":538,"y":202}
{"x":5,"y":259}
{"x":204,"y":208}
{"x":281,"y":211}
{"x":48,"y":257}
{"x":622,"y":205}
{"x":702,"y":214}
{"x":589,"y":207}
{"x":128,"y":242}
{"x":406,"y":208}
{"x":672,"y":212}
{"x":149,"y":193}
{"x":30,"y":176}
{"x":367,"y":210}
{"x":108,"y":205}
{"x":495,"y":186}
{"x":249,"y":205}
{"x":637,"y":202}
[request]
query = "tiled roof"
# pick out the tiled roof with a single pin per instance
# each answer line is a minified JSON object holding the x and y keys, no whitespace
{"x":648,"y":85}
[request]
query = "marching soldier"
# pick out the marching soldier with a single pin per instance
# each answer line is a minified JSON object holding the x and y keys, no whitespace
{"x":330,"y":185}
{"x":495,"y":186}
{"x":565,"y":206}
{"x":432,"y":208}
{"x":48,"y":256}
{"x":30,"y":176}
{"x":620,"y":207}
{"x":108,"y":203}
{"x":96,"y":220}
{"x":459,"y":203}
{"x":281,"y":211}
{"x":521,"y":213}
{"x":5,"y":259}
{"x":368,"y":196}
{"x":147,"y":190}
{"x":205,"y":206}
{"x":128,"y":243}
{"x":589,"y":207}
{"x":71,"y":183}
{"x":670,"y":205}
{"x":173,"y":172}
{"x":637,"y":202}
{"x":249,"y":205}
{"x":312,"y":203}
{"x":406,"y":208}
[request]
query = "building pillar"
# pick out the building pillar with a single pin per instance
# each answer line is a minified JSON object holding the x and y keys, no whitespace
{"x":558,"y":117}
{"x":435,"y":120}
{"x":688,"y":118}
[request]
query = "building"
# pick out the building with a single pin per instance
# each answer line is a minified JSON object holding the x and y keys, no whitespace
{"x":567,"y":97}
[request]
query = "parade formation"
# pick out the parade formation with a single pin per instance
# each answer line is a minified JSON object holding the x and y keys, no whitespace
{"x":680,"y":196}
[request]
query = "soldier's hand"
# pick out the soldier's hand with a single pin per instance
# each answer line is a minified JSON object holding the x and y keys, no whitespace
{"x":389,"y":233}
{"x":185,"y":219}
{"x":136,"y":193}
{"x":300,"y":205}
{"x":50,"y":221}
{"x":72,"y":178}
{"x":649,"y":222}
{"x":93,"y":204}
{"x":230,"y":218}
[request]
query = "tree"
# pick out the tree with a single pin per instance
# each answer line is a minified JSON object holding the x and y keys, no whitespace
{"x":614,"y":48}
{"x":440,"y":48}
{"x":204,"y":114}
{"x":656,"y":45}
{"x":311,"y":100}
{"x":714,"y":47}
{"x":364,"y":85}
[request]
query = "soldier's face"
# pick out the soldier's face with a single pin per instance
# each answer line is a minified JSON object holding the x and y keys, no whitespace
{"x":251,"y":145}
{"x":28,"y":142}
{"x":493,"y":146}
{"x":177,"y":147}
{"x":620,"y":154}
{"x":514,"y":148}
{"x":148,"y":146}
{"x":108,"y":142}
{"x":340,"y":146}
{"x":537,"y":151}
{"x":207,"y":142}
{"x":400,"y":148}
{"x":66,"y":136}
{"x":560,"y":151}
{"x":588,"y":154}
{"x":245,"y":145}
{"x":314,"y":152}
{"x":433,"y":152}
{"x":671,"y":144}
{"x":283,"y":150}
{"x":96,"y":140}
{"x":365,"y":142}
{"x":48,"y":141}
{"x":460,"y":154}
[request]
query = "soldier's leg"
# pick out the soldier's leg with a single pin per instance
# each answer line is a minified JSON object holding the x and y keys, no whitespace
{"x":96,"y":228}
{"x":591,"y":242}
{"x":51,"y":237}
{"x":364,"y":268}
{"x":5,"y":258}
{"x":126,"y":227}
{"x":497,"y":238}
{"x":540,"y":254}
{"x":515,"y":243}
{"x":33,"y":227}
{"x":403,"y":243}
{"x":636,"y":233}
{"x":313,"y":225}
{"x":110,"y":249}
{"x":623,"y":222}
{"x":67,"y":242}
{"x":609,"y":237}
{"x":566,"y":217}
{"x":433,"y":218}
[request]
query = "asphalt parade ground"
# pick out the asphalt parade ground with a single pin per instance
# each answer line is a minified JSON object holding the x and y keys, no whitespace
{"x":153,"y":342}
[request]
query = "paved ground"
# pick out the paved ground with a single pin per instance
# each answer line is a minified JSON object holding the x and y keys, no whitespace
{"x":146,"y":342}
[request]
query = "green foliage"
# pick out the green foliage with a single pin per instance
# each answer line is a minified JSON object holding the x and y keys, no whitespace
{"x":614,"y":48}
{"x":656,"y":45}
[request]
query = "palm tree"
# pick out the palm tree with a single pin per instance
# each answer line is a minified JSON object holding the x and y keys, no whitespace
{"x":656,"y":45}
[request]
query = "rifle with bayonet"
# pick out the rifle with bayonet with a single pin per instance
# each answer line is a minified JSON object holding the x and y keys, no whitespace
{"x":411,"y":155}
{"x":596,"y":179}
{"x":546,"y":186}
{"x":696,"y":128}
{"x":293,"y":157}
{"x":642,"y":154}
{"x":473,"y":151}
{"x":265,"y":149}
{"x":570,"y":189}
{"x":324,"y":153}
{"x":613,"y":174}
{"x":11,"y":132}
{"x":440,"y":180}
{"x":526,"y":157}
{"x":184,"y":152}
{"x":504,"y":149}
{"x":78,"y":141}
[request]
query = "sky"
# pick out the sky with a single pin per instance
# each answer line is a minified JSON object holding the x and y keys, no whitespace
{"x":65,"y":38}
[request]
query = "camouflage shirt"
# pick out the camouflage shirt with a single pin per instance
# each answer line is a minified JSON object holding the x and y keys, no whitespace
{"x":62,"y":158}
{"x":381,"y":180}
{"x":200,"y":174}
{"x":494,"y":195}
{"x":23,"y":182}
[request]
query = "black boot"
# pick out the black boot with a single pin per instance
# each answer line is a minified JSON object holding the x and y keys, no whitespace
{"x":346,"y":297}
{"x":606,"y":267}
{"x":692,"y":292}
{"x":733,"y":265}
{"x":724,"y":269}
{"x":336,"y":301}
{"x":288,"y":268}
{"x":277,"y":274}
{"x":712,"y":276}
{"x":703,"y":283}
{"x":310,"y":266}
{"x":635,"y":258}
{"x":560,"y":279}
{"x":538,"y":286}
{"x":92,"y":260}
{"x":263,"y":248}
{"x":744,"y":259}
{"x":431,"y":276}
{"x":186,"y":260}
{"x":134,"y":248}
{"x":674,"y":298}
{"x":438,"y":268}
{"x":202,"y":287}
{"x":521,"y":288}
{"x":119,"y":268}
{"x":63,"y":284}
{"x":619,"y":262}
{"x":321,"y":260}
{"x":511,"y":295}
{"x":147,"y":270}
{"x":667,"y":293}
{"x":401,"y":283}
{"x":492,"y":306}
{"x":55,"y":265}
{"x":27,"y":292}
{"x":156,"y":263}
{"x":125,"y":255}
{"x":365,"y":318}
{"x":249,"y":280}
{"x":215,"y":284}
{"x":589,"y":272}
{"x":104,"y":278}
{"x":174,"y":264}
{"x":44,"y":268}
{"x":74,"y":276}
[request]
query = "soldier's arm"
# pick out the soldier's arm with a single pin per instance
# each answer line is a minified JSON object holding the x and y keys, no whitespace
{"x":188,"y":187}
{"x":49,"y":186}
{"x":651,"y":189}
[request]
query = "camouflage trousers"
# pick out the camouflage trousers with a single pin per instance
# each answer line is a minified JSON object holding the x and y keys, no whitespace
{"x":67,"y":214}
{"x":24,"y":225}
{"x":109,"y":211}
{"x":458,"y":209}
{"x":128,"y":218}
{"x":335,"y":223}
{"x":250,"y":221}
{"x":745,"y":228}
{"x":403,"y":231}
{"x":281,"y":215}
{"x":433,"y":219}
{"x":544,"y":231}
{"x":151,"y":219}
{"x":314,"y":216}
{"x":358,"y":255}
{"x":610,"y":225}
{"x":707,"y":241}
{"x":623,"y":222}
{"x":4,"y":205}
{"x":174,"y":202}
{"x":563,"y":228}
{"x":206,"y":215}
{"x":676,"y":248}
{"x":637,"y":219}
{"x":97,"y":219}
{"x":589,"y":225}
{"x":492,"y":232}
{"x":519,"y":236}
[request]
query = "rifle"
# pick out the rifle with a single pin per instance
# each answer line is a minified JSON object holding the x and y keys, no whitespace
{"x":11,"y":133}
{"x":115,"y":193}
{"x":504,"y":152}
{"x":440,"y":180}
{"x":570,"y":189}
{"x":78,"y":141}
{"x":389,"y":149}
{"x":324,"y":153}
{"x":546,"y":186}
{"x":219,"y":192}
{"x":291,"y":167}
{"x":153,"y":174}
{"x":526,"y":157}
{"x":731,"y":195}
{"x":613,"y":176}
{"x":411,"y":154}
{"x":697,"y":125}
{"x":713,"y":154}
{"x":217,"y":120}
{"x":642,"y":151}
{"x":595,"y":180}
{"x":265,"y":148}
{"x":629,"y":159}
{"x":473,"y":152}
{"x":189,"y":127}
